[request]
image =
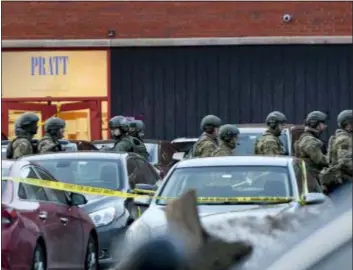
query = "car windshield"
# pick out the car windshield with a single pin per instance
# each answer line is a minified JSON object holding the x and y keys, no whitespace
{"x":102,"y":173}
{"x":246,"y":143}
{"x":229,"y":181}
{"x":152,"y":149}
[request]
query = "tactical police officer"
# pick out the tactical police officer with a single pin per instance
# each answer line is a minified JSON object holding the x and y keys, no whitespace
{"x":137,"y":129}
{"x":136,"y":132}
{"x":207,"y":142}
{"x":340,"y":153}
{"x":54,"y":131}
{"x":26,"y":127}
{"x":309,"y":145}
{"x":119,"y":128}
{"x":269,"y":144}
{"x":228,"y":135}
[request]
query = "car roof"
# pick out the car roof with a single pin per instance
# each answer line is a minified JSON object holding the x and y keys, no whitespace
{"x":5,"y":163}
{"x":184,"y":139}
{"x":76,"y":155}
{"x":235,"y":161}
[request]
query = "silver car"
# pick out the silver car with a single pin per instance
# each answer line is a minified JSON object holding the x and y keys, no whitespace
{"x":252,"y":177}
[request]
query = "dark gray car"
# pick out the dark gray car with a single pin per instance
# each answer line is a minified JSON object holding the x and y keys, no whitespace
{"x":116,"y":171}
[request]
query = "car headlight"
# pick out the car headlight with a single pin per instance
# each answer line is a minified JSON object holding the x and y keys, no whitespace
{"x":103,"y":217}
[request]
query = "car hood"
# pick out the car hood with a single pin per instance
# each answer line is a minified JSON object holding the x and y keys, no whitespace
{"x":95,"y":203}
{"x":155,"y":219}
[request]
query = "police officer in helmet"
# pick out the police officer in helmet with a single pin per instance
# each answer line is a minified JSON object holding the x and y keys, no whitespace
{"x":119,"y":128}
{"x":136,"y":132}
{"x":207,"y":142}
{"x":269,"y":144}
{"x":26,"y":126}
{"x":340,"y":153}
{"x":54,"y":129}
{"x":309,"y":146}
{"x":228,"y":135}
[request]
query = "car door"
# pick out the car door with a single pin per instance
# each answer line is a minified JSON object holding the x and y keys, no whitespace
{"x":71,"y":239}
{"x":44,"y":216}
{"x":147,"y":175}
{"x":132,"y":171}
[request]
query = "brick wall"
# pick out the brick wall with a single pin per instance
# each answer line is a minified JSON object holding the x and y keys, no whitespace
{"x":91,"y":20}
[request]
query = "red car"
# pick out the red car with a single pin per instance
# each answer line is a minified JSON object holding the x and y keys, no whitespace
{"x":43,"y":228}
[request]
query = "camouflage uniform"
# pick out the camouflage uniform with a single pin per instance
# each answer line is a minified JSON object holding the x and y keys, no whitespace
{"x":205,"y":146}
{"x":207,"y":142}
{"x":136,"y":132}
{"x":309,"y":146}
{"x":123,"y":141}
{"x":269,"y":144}
{"x":26,"y":127}
{"x":228,"y":135}
{"x":50,"y":141}
{"x":339,"y":154}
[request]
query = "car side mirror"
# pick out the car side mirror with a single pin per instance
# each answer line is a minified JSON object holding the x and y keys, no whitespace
{"x":178,"y":156}
{"x":77,"y":199}
{"x":314,"y":198}
{"x":142,"y":201}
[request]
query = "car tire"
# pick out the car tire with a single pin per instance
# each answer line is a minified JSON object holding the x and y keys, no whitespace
{"x":39,"y":260}
{"x":91,"y":258}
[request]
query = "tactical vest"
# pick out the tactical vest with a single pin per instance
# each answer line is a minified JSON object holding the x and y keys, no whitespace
{"x":139,"y":148}
{"x":127,"y":139}
{"x":10,"y":151}
{"x":56,"y":148}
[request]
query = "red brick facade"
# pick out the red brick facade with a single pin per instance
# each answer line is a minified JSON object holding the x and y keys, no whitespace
{"x":91,"y":20}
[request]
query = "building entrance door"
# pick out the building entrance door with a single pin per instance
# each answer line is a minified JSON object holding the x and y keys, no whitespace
{"x":83,"y":118}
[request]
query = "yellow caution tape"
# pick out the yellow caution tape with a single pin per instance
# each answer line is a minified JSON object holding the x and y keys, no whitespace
{"x":114,"y":193}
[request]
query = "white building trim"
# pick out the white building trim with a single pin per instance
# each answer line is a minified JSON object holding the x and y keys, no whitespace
{"x":154,"y":42}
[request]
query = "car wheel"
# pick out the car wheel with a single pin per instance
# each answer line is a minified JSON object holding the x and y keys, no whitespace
{"x":39,"y":262}
{"x":91,"y":260}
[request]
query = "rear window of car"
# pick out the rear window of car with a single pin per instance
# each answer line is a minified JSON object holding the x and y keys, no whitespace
{"x":102,"y":173}
{"x":246,"y":143}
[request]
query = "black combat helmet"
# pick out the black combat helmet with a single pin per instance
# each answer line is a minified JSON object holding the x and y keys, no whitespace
{"x":275,"y":118}
{"x":28,"y":122}
{"x":227,"y":132}
{"x":119,"y":122}
{"x":314,"y":118}
{"x":53,"y":124}
{"x":210,"y":121}
{"x":140,"y":126}
{"x":344,"y":118}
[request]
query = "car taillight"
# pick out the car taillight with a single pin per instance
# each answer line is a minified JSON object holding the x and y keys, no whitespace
{"x":8,"y":216}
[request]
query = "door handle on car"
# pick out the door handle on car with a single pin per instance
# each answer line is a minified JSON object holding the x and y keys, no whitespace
{"x":43,"y":215}
{"x":64,"y":220}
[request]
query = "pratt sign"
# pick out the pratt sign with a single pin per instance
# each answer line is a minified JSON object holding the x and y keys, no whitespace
{"x":54,"y":73}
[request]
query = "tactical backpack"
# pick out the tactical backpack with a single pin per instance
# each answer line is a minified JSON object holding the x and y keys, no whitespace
{"x":10,"y":152}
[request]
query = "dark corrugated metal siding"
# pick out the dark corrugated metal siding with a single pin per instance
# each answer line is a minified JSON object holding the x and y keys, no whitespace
{"x":174,"y":87}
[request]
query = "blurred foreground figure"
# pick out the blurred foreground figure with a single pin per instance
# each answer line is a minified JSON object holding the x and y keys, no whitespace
{"x":190,"y":247}
{"x":26,"y":127}
{"x":159,"y":254}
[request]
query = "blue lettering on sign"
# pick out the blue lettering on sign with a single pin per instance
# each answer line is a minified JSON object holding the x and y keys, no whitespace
{"x":49,"y":66}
